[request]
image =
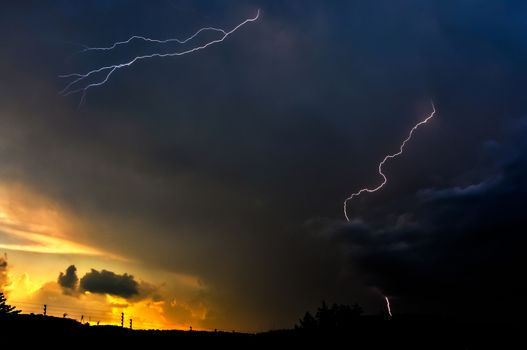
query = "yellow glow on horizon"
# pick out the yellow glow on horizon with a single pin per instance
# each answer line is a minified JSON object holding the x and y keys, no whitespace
{"x":22,"y":286}
{"x":30,"y":295}
{"x":146,"y":314}
{"x":31,"y":223}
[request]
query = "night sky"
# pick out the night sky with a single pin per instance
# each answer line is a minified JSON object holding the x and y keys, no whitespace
{"x":207,"y":189}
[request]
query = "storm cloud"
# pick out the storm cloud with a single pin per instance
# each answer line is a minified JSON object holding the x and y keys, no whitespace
{"x":108,"y":282}
{"x":232,"y":165}
{"x":462,"y":248}
{"x":68,"y":280}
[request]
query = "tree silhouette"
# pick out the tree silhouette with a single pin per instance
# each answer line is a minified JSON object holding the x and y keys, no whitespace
{"x":6,"y":309}
{"x":308,"y":322}
{"x":334,"y":318}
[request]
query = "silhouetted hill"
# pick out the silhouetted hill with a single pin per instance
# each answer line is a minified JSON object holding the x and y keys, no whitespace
{"x":366,"y":332}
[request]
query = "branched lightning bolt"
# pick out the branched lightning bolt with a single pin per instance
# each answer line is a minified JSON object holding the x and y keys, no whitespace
{"x":381,"y":164}
{"x":157,"y":41}
{"x":388,"y":307}
{"x":109,"y":70}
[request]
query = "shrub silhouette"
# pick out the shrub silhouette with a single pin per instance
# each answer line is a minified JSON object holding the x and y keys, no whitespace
{"x":334,"y":318}
{"x":5,"y":309}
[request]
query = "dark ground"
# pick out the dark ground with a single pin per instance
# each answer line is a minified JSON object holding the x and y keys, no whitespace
{"x":369,"y":332}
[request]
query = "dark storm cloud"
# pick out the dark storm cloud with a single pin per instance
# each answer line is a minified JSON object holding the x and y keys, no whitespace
{"x":108,"y":282}
{"x":68,"y":280}
{"x":211,"y":164}
{"x":464,"y":255}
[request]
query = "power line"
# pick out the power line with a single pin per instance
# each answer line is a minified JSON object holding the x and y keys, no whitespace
{"x":57,"y":307}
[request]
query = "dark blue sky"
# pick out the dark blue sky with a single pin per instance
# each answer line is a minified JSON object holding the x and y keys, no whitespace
{"x":232,"y":163}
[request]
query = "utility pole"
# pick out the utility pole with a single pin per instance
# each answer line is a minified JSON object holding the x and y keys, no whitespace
{"x":45,"y":309}
{"x":122,"y":319}
{"x":130,"y":323}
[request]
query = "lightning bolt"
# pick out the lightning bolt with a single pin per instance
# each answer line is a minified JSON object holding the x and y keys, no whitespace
{"x":385,"y":179}
{"x":157,"y":41}
{"x":107,"y":71}
{"x":388,"y":307}
{"x":381,"y":164}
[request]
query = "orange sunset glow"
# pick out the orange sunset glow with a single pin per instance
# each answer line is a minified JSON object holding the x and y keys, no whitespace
{"x":39,"y":236}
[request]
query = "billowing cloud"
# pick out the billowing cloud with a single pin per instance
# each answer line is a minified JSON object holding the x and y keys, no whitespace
{"x":68,"y":280}
{"x":108,"y":282}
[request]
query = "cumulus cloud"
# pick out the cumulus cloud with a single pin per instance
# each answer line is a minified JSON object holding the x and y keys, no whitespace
{"x":108,"y":282}
{"x":68,"y":280}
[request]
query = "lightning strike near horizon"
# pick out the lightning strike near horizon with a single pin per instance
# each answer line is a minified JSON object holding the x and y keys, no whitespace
{"x":390,"y":156}
{"x":388,"y":307}
{"x":107,"y":71}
